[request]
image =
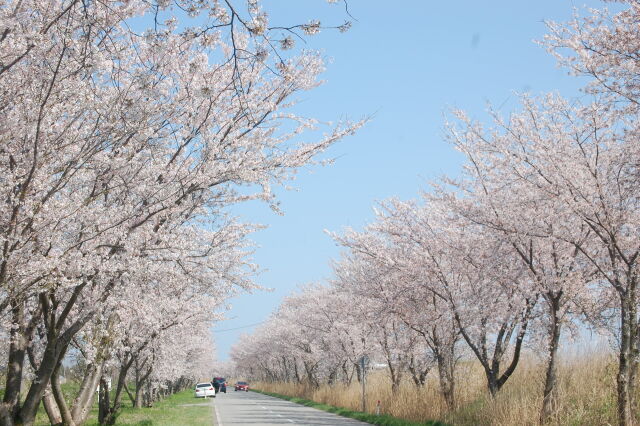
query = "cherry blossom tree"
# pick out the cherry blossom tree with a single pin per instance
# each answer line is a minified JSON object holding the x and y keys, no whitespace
{"x":470,"y":269}
{"x":445,"y":272}
{"x":148,"y":308}
{"x":360,"y":276}
{"x":382,"y":267}
{"x":124,"y":137}
{"x":575,"y":163}
{"x":498,"y":196}
{"x":325,"y":344}
{"x":603,"y":46}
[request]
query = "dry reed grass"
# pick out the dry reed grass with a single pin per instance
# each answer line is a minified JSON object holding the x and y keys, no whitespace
{"x":586,"y":394}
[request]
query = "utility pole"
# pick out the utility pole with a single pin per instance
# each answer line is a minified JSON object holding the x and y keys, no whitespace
{"x":363,"y":364}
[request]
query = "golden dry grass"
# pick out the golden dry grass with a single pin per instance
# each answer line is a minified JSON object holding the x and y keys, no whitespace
{"x":586,"y":394}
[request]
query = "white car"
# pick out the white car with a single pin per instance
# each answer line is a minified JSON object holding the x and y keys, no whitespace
{"x":204,"y":390}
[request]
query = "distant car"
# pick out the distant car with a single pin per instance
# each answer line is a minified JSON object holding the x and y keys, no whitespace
{"x":204,"y":390}
{"x":222,"y":384}
{"x":242,"y":386}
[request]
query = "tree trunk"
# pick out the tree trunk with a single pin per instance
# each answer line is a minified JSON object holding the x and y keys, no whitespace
{"x":446,"y":379}
{"x":138,"y":400}
{"x":392,"y":376}
{"x":295,"y":370}
{"x":146,"y":398}
{"x":358,"y":373}
{"x":346,"y":375}
{"x":495,"y":380}
{"x":132,"y":397}
{"x":141,"y":379}
{"x":634,"y":352}
{"x":635,"y":359}
{"x":492,"y":384}
{"x":332,"y":376}
{"x":137,"y":403}
{"x":42,"y":378}
{"x":63,"y":408}
{"x":83,"y":402}
{"x":311,"y":378}
{"x":624,"y":386}
{"x":418,"y":374}
{"x":103,"y":402}
{"x":6,"y":418}
{"x":150,"y":392}
{"x":57,"y":343}
{"x":15,"y":365}
{"x":111,"y":411}
{"x":550,"y":396}
{"x":51,"y":407}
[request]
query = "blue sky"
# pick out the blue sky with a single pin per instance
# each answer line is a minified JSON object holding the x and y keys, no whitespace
{"x":405,"y":63}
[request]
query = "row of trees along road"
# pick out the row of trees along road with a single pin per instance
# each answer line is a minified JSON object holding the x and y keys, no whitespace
{"x":127,"y":130}
{"x":538,"y":235}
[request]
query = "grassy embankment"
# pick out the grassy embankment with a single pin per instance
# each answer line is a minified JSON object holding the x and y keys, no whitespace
{"x":586,"y":395}
{"x":178,"y":409}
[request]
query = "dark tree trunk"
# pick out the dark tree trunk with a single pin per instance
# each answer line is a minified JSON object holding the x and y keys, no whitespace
{"x":63,"y":408}
{"x":86,"y":395}
{"x":43,"y":375}
{"x":332,"y":376}
{"x":103,"y":402}
{"x":150,"y":395}
{"x":446,"y":379}
{"x":491,"y":365}
{"x":628,"y":335}
{"x":6,"y":419}
{"x":345,"y":372}
{"x":17,"y":352}
{"x":51,"y":407}
{"x":111,"y":412}
{"x":395,"y":376}
{"x":141,"y":379}
{"x":418,"y":374}
{"x":131,"y":396}
{"x":57,"y":343}
{"x":137,"y":403}
{"x":138,"y":400}
{"x":311,"y":378}
{"x":296,"y":372}
{"x":19,"y":340}
{"x":550,"y":396}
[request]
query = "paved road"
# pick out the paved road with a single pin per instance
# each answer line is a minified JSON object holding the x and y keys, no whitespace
{"x":251,"y":408}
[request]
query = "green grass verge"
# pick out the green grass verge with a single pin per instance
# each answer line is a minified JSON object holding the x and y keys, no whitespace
{"x":382,"y":420}
{"x":181,"y":408}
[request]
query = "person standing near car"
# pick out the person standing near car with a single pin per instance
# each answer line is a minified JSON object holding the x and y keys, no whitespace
{"x":216,"y":386}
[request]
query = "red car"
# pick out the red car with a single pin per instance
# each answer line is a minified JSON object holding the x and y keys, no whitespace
{"x":242,"y":386}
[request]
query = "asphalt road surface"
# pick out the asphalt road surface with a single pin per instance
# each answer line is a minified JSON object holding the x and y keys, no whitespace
{"x":251,"y":408}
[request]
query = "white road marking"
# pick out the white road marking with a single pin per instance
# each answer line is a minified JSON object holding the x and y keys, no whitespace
{"x":217,"y":415}
{"x":280,"y":415}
